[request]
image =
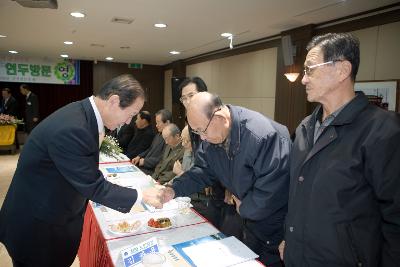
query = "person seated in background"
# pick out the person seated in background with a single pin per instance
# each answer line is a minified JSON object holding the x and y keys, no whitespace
{"x":187,"y":162}
{"x":172,"y":152}
{"x":188,"y":157}
{"x":143,"y":136}
{"x":148,"y":159}
{"x":9,"y":104}
{"x":125,"y":133}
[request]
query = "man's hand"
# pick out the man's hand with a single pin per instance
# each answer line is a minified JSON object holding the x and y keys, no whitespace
{"x":153,"y":196}
{"x":141,"y":162}
{"x":35,"y":119}
{"x":135,"y":160}
{"x":208,"y":191}
{"x":167,"y":194}
{"x":281,"y":249}
{"x":228,"y":199}
{"x":177,"y":169}
{"x":237,"y":202}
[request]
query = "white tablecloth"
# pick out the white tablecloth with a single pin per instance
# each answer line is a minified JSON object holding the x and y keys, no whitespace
{"x":187,"y":224}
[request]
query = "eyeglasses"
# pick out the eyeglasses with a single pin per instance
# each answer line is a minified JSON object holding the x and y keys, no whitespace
{"x":204,"y":132}
{"x":186,"y":98}
{"x":308,"y":69}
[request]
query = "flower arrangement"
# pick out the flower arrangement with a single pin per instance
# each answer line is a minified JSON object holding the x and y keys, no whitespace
{"x":110,"y":147}
{"x":9,"y":120}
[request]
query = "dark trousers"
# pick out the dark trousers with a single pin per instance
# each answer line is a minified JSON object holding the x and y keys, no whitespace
{"x":231,"y":223}
{"x":18,"y":264}
{"x":36,"y":243}
{"x":268,"y":253}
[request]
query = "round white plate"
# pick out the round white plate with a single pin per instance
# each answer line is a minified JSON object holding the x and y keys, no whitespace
{"x":164,"y":228}
{"x":113,"y":230}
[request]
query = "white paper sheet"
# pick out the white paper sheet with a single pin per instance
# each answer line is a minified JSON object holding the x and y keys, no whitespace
{"x":220,"y":253}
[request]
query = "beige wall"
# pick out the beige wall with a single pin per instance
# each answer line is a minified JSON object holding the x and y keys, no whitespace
{"x":167,"y":90}
{"x":248,"y":80}
{"x":380,"y":52}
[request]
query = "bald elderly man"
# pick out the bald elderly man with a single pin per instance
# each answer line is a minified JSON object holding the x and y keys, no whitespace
{"x":249,"y":154}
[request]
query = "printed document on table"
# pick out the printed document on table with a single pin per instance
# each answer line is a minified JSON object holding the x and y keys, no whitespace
{"x":220,"y":253}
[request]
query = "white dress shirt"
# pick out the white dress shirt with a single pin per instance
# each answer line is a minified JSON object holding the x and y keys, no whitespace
{"x":100,"y":126}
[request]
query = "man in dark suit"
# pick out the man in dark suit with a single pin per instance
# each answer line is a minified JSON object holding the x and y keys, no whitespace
{"x":8,"y":104}
{"x":125,"y":133}
{"x":31,"y":108}
{"x":143,"y":137}
{"x":42,"y":216}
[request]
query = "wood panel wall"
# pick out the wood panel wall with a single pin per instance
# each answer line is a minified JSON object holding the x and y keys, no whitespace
{"x":151,"y":78}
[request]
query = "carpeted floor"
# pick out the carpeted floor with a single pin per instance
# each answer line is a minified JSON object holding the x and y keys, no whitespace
{"x":8,"y":163}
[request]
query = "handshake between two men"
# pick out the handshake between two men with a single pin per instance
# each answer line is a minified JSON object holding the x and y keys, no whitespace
{"x":157,"y":196}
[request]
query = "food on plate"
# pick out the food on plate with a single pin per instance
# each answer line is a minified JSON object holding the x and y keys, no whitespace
{"x":159,"y":223}
{"x":125,"y":227}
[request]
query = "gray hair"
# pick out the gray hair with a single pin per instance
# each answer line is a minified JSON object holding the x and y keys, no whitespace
{"x":173,"y":129}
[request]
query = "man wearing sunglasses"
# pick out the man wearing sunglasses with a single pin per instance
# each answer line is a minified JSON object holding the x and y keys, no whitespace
{"x":344,"y":201}
{"x":249,"y":154}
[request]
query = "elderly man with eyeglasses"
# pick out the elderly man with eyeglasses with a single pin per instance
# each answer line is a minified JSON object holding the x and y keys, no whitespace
{"x":249,"y":154}
{"x":344,"y":201}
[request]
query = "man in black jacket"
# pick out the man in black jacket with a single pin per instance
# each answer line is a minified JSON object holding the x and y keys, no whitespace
{"x":344,"y":200}
{"x":9,"y":104}
{"x":31,"y":108}
{"x":57,"y":173}
{"x":143,"y":137}
{"x":249,"y":154}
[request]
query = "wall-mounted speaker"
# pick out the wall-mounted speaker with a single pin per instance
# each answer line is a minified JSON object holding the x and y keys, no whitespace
{"x":287,"y":50}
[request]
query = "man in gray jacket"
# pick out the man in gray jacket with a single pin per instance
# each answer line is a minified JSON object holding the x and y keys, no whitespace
{"x":148,"y":160}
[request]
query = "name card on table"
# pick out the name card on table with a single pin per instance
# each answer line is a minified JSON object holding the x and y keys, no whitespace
{"x":133,"y":255}
{"x":122,"y":169}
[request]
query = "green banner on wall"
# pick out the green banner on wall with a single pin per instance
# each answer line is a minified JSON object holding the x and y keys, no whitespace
{"x":64,"y":71}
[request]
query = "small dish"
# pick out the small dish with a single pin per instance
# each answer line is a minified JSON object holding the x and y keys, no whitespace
{"x":124,"y":227}
{"x":169,"y":223}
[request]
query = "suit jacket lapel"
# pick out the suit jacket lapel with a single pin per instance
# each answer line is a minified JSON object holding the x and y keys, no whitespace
{"x":91,"y":119}
{"x":327,"y":137}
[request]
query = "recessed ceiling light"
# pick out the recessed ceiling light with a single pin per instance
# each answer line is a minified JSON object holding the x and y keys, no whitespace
{"x":226,"y":34}
{"x":68,"y":42}
{"x":77,"y":14}
{"x":64,"y":55}
{"x":109,"y":58}
{"x":3,"y":36}
{"x":13,"y":52}
{"x":160,"y":25}
{"x":175,"y":52}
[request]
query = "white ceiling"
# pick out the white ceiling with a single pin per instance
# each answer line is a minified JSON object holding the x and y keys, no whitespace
{"x":194,"y":26}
